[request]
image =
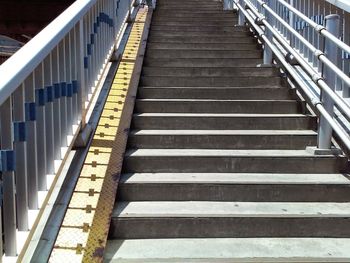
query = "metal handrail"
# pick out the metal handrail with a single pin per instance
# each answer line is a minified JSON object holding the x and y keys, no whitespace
{"x":316,"y":77}
{"x":313,"y":99}
{"x":17,"y":68}
{"x":46,"y":89}
{"x":319,"y":28}
{"x":263,"y":25}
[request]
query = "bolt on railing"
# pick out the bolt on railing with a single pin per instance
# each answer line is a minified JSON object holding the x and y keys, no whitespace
{"x":45,"y":91}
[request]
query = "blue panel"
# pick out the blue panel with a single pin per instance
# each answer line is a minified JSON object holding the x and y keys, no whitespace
{"x":95,"y":28}
{"x":7,"y":161}
{"x":1,"y":194}
{"x":86,"y":62}
{"x":63,"y":89}
{"x":40,"y":97}
{"x":89,"y":49}
{"x":69,"y":90}
{"x":49,"y":93}
{"x":19,"y":131}
{"x":92,"y":39}
{"x":75,"y":86}
{"x":30,"y":111}
{"x":57,"y":90}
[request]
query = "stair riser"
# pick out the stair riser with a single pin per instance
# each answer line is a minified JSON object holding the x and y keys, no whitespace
{"x":197,"y":164}
{"x":232,"y":23}
{"x":199,"y":46}
{"x":209,"y":82}
{"x":210,"y":72}
{"x":258,"y":93}
{"x":202,"y":54}
{"x":201,"y":39}
{"x":163,"y":15}
{"x":218,"y":123}
{"x":233,"y":192}
{"x":229,"y":227}
{"x":221,"y":142}
{"x":197,"y":19}
{"x":214,"y":29}
{"x":155,"y":33}
{"x":198,"y":62}
{"x":219,"y":107}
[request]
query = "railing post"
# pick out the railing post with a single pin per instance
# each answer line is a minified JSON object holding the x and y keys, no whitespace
{"x":20,"y":148}
{"x":241,"y":18}
{"x":8,"y":177}
{"x":228,"y":5}
{"x":331,"y":51}
{"x":269,"y":35}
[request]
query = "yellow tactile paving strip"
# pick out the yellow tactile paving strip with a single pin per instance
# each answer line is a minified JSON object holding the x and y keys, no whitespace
{"x":83,"y":233}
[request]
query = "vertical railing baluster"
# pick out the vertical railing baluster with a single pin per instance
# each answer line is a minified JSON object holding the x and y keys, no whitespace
{"x":325,"y":130}
{"x":81,"y":79}
{"x":56,"y":103}
{"x":63,"y":85}
{"x":20,"y":148}
{"x":346,"y":67}
{"x":75,"y":67}
{"x":49,"y":94}
{"x":32,"y":147}
{"x":69,"y":86}
{"x":8,"y":178}
{"x":40,"y":126}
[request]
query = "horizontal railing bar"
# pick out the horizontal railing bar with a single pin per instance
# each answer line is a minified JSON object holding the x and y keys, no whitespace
{"x":17,"y":68}
{"x":319,"y":28}
{"x":344,"y":107}
{"x":313,"y":99}
{"x":342,"y":4}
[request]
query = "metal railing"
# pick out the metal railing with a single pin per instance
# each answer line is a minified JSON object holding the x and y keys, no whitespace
{"x":45,"y":91}
{"x":312,"y":35}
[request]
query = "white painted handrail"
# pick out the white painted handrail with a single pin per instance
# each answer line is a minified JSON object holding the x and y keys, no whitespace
{"x":46,"y":88}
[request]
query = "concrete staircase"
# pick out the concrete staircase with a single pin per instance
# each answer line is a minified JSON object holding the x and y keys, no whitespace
{"x":216,"y":167}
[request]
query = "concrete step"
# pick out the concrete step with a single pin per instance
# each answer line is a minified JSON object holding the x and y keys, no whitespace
{"x":229,"y":219}
{"x":163,"y":14}
{"x":204,"y":121}
{"x":230,"y":161}
{"x":203,"y":46}
{"x":214,"y":29}
{"x":160,"y":81}
{"x":210,"y":72}
{"x":198,"y":19}
{"x":242,"y":250}
{"x":234,"y":187}
{"x":231,"y":22}
{"x":237,"y":93}
{"x":222,"y":139}
{"x":180,"y":53}
{"x":201,"y":62}
{"x":218,"y":106}
{"x":173,"y":33}
{"x":201,"y":39}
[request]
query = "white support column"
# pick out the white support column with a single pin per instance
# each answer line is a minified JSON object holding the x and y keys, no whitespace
{"x":331,"y":51}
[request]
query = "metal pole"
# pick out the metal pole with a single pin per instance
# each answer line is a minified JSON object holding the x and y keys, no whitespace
{"x":331,"y":51}
{"x":8,"y":177}
{"x":241,"y":18}
{"x":269,"y":35}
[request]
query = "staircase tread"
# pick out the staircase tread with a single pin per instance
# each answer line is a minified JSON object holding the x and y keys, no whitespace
{"x":234,"y":178}
{"x":230,"y":209}
{"x":215,"y":100}
{"x":227,"y":115}
{"x":224,"y":153}
{"x":229,"y":250}
{"x":223,"y":132}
